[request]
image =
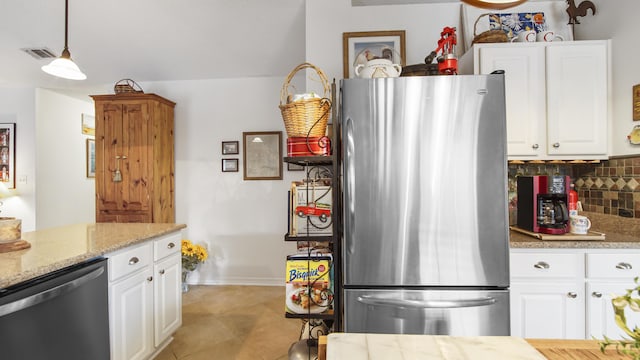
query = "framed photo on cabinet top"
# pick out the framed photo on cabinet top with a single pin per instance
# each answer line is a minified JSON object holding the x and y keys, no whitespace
{"x":8,"y":155}
{"x":360,"y":47}
{"x":262,"y":155}
{"x":91,"y":158}
{"x":229,"y":165}
{"x":230,"y":148}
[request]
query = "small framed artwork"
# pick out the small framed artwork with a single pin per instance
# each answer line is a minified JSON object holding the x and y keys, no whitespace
{"x":636,"y":102}
{"x":8,"y":155}
{"x":230,"y":148}
{"x":360,"y":47}
{"x":294,"y":167}
{"x":88,"y":125}
{"x":262,"y":155}
{"x":91,"y":158}
{"x":229,"y":165}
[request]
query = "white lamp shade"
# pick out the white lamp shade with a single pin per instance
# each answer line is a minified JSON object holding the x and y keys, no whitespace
{"x":64,"y":68}
{"x":494,"y":4}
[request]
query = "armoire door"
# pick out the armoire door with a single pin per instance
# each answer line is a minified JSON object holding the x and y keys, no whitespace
{"x":122,"y":180}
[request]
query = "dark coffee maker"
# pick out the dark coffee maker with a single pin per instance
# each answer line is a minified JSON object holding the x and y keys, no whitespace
{"x":542,"y":204}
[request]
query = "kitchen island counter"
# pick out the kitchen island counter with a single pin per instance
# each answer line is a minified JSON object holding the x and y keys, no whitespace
{"x":387,"y":346}
{"x":56,"y":248}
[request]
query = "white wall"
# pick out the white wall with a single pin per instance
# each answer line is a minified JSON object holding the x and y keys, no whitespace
{"x":242,"y":223}
{"x":65,"y":194}
{"x":17,"y":105}
{"x":616,"y":20}
{"x":327,"y":20}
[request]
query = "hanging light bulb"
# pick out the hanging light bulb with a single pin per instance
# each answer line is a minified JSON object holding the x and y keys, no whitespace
{"x":63,"y":66}
{"x":494,"y":4}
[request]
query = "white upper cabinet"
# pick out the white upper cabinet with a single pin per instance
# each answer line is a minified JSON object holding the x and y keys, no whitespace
{"x":557,"y":96}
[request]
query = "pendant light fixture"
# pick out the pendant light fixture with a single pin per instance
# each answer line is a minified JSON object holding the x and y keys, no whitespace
{"x":494,"y":4}
{"x":63,"y":66}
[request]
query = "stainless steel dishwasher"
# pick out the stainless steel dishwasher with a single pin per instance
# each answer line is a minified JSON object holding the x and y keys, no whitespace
{"x":61,"y":315}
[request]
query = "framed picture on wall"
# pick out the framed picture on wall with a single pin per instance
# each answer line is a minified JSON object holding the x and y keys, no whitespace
{"x":88,"y":125}
{"x":262,"y":155}
{"x":230,"y":148}
{"x":229,"y":165}
{"x":360,"y":47}
{"x":8,"y":155}
{"x":91,"y":158}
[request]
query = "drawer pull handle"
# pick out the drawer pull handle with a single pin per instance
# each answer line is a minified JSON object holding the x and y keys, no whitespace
{"x":535,"y":146}
{"x":134,"y":260}
{"x":150,"y":279}
{"x":596,"y":294}
{"x":572,"y":295}
{"x":162,"y":272}
{"x":624,"y":266}
{"x":171,"y":245}
{"x":541,"y":265}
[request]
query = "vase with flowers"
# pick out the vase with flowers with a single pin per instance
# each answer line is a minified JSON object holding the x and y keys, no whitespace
{"x":192,"y":256}
{"x":628,"y":346}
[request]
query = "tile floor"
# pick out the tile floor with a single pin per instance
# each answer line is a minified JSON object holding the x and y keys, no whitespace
{"x":233,"y":322}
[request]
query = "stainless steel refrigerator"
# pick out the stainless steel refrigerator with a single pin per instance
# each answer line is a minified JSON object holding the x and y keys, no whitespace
{"x":425,"y":205}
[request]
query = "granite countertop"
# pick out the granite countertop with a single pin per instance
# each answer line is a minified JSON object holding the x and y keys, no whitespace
{"x":56,"y":248}
{"x":620,"y":233}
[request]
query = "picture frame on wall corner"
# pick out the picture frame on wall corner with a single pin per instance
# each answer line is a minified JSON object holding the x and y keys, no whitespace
{"x":88,"y":125}
{"x":8,"y":155}
{"x":262,"y":157}
{"x":359,"y":47}
{"x":91,"y":158}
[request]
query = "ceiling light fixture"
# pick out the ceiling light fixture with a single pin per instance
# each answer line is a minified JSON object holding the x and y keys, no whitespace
{"x":63,"y":66}
{"x":494,"y":4}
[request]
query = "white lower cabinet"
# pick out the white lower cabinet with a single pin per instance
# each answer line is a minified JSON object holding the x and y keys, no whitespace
{"x":609,"y":275}
{"x":566,"y":293}
{"x":145,"y":300}
{"x":547,"y":295}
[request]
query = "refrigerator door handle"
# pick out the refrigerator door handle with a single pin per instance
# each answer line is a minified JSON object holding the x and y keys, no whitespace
{"x":426,"y":304}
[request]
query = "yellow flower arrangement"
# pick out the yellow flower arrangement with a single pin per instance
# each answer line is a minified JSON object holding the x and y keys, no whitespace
{"x":192,"y":255}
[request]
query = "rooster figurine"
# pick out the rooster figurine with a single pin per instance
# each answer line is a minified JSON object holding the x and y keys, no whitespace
{"x":580,"y":10}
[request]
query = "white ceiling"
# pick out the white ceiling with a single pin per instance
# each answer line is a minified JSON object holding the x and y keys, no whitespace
{"x":152,"y":40}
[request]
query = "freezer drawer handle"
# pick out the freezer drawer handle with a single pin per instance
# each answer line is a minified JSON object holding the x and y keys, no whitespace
{"x":437,"y":304}
{"x":49,"y":294}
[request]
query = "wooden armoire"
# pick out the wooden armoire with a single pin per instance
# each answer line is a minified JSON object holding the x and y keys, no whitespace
{"x":134,"y":158}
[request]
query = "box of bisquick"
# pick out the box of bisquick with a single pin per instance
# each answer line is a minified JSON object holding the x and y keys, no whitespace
{"x":308,"y":284}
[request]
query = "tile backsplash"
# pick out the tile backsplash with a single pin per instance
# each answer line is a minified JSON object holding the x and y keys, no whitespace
{"x":610,"y":187}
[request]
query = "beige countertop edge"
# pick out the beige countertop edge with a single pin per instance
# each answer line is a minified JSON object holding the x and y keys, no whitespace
{"x":7,"y":280}
{"x":612,"y":241}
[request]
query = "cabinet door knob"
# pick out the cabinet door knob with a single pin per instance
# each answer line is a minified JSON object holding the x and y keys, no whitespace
{"x":535,"y":146}
{"x":171,"y":245}
{"x":161,"y":272}
{"x":150,"y":279}
{"x":596,"y":294}
{"x":556,"y":145}
{"x":572,"y":295}
{"x":134,"y":260}
{"x":624,"y":266}
{"x":541,"y":265}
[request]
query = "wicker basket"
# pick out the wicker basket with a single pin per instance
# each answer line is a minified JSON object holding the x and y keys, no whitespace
{"x":126,"y":86}
{"x":489,"y":36}
{"x":307,"y":117}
